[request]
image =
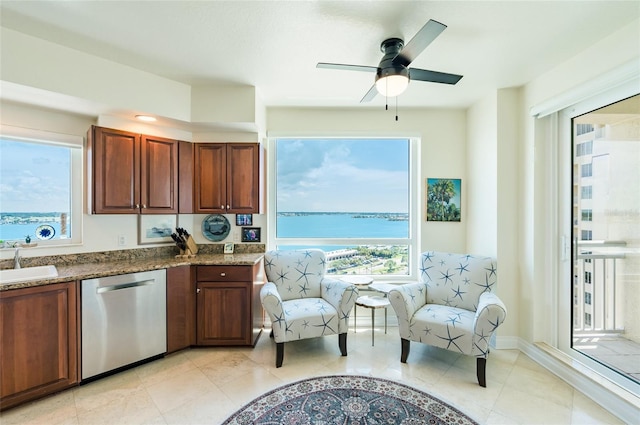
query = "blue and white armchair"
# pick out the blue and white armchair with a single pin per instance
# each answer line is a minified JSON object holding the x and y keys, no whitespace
{"x":302,"y":302}
{"x":452,"y":307}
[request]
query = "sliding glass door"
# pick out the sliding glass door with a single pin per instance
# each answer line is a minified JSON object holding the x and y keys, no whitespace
{"x":605,"y":230}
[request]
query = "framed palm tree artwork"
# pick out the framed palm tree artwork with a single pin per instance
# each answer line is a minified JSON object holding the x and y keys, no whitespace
{"x":443,"y":199}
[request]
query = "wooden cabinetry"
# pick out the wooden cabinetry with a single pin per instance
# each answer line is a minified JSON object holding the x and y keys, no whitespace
{"x":181,"y":308}
{"x":227,"y":178}
{"x":228,"y":305}
{"x":131,"y":173}
{"x":38,"y":342}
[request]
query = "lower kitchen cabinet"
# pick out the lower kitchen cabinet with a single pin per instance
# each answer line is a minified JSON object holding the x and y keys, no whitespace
{"x":38,"y":342}
{"x":181,"y":308}
{"x":228,"y":305}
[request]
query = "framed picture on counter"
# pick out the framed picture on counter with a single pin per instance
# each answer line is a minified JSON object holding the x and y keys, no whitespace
{"x":250,"y":234}
{"x":154,"y":228}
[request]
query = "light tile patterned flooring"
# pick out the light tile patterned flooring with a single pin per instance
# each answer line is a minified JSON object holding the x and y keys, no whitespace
{"x":206,"y":385}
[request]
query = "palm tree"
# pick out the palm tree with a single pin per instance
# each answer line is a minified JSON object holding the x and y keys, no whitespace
{"x":439,"y":195}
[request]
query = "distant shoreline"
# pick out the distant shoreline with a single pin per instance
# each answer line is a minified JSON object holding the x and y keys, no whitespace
{"x":30,"y":217}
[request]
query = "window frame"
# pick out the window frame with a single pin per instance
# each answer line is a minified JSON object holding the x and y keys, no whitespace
{"x":412,"y":241}
{"x":76,"y":143}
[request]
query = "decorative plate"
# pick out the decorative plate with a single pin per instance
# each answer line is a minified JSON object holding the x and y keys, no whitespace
{"x":215,"y":227}
{"x":45,"y":232}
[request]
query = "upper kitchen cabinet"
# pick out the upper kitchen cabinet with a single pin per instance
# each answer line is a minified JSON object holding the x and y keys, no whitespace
{"x":131,"y":173}
{"x":227,"y":178}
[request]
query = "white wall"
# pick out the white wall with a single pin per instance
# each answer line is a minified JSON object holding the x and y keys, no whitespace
{"x":492,"y":146}
{"x":443,"y":151}
{"x":507,"y":206}
{"x":482,"y":157}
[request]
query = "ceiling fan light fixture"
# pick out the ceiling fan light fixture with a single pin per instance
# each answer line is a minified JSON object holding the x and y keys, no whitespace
{"x":392,"y":85}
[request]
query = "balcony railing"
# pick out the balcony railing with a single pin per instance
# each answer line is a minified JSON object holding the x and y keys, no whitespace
{"x":597,"y":304}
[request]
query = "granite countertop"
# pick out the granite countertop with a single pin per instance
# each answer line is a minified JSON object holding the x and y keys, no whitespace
{"x":89,"y":270}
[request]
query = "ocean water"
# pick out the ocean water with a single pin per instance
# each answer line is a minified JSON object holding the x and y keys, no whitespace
{"x":341,"y":225}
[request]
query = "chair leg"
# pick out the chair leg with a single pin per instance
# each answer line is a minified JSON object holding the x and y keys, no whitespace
{"x":405,"y":350}
{"x":279,"y":353}
{"x":342,"y":343}
{"x":481,"y":365}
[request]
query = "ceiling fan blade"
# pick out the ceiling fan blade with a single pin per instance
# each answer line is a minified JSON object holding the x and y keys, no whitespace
{"x":419,"y":42}
{"x":373,"y":91}
{"x":433,"y":76}
{"x":342,"y":66}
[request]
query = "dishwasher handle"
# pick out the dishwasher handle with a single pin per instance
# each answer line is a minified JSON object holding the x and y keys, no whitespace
{"x":120,"y":286}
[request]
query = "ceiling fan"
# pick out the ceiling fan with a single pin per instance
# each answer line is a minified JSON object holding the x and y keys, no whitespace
{"x":392,"y":73}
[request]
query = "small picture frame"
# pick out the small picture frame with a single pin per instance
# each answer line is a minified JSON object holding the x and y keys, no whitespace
{"x":228,"y":248}
{"x":250,"y":234}
{"x":443,"y":199}
{"x":244,"y":219}
{"x":154,"y":228}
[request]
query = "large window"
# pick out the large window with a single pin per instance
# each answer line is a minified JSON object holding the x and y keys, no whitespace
{"x":40,"y":196}
{"x":351,"y":197}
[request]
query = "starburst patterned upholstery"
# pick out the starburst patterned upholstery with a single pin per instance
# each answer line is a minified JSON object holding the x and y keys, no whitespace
{"x":452,"y":307}
{"x":302,"y":302}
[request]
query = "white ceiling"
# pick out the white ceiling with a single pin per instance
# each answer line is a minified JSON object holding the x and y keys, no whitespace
{"x":275,"y":45}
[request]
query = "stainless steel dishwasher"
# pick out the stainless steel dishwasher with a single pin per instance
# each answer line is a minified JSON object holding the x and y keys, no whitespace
{"x":124,"y":320}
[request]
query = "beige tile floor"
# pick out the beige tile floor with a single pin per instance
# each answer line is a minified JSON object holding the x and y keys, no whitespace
{"x":206,"y":385}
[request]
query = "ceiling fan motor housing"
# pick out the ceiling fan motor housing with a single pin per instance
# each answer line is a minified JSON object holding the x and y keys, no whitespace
{"x":391,"y":47}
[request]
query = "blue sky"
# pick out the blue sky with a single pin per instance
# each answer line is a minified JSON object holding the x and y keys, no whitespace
{"x":33,"y":177}
{"x":343,"y":175}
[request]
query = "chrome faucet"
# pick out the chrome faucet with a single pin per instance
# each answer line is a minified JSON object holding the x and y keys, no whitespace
{"x":16,"y":259}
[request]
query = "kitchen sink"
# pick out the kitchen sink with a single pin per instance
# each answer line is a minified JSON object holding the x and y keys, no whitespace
{"x":27,"y":273}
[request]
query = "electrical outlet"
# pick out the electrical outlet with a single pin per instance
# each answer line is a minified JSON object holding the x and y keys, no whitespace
{"x":122,"y":240}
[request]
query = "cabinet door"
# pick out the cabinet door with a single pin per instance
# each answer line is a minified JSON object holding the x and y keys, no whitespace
{"x":158,"y":176}
{"x":38,"y":342}
{"x":115,"y":157}
{"x":210,"y":178}
{"x":223,"y":313}
{"x":243,"y":178}
{"x":181,"y":308}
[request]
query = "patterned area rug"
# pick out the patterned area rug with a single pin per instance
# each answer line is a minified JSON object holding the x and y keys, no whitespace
{"x":347,"y":399}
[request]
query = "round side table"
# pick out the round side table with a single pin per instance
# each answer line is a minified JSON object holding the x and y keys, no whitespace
{"x":373,"y":302}
{"x":385,"y":288}
{"x":361,"y":282}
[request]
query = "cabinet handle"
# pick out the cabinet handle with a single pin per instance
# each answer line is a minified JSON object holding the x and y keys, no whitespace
{"x":228,"y":207}
{"x":137,"y":205}
{"x":221,"y":207}
{"x":144,"y":205}
{"x":198,"y":291}
{"x":223,"y":274}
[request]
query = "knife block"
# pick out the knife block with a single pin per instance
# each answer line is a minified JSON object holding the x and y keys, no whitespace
{"x":191,"y":251}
